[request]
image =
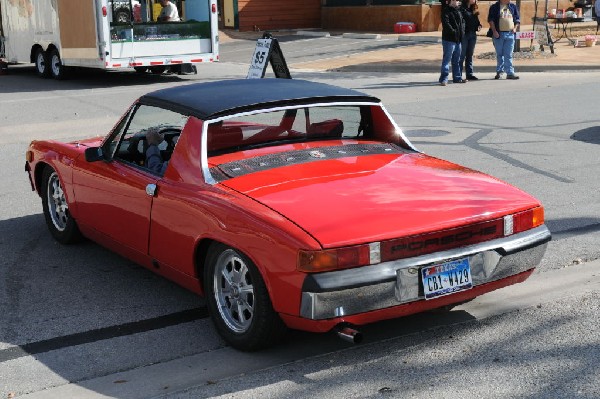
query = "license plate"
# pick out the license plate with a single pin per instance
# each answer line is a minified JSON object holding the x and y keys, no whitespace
{"x":446,"y":278}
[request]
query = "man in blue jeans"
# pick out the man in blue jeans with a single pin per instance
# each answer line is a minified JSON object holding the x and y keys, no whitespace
{"x":504,"y":21}
{"x":453,"y":30}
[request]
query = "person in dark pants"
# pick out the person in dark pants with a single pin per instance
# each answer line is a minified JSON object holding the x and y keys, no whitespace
{"x":504,"y":21}
{"x":470,"y":11}
{"x":154,"y":161}
{"x":453,"y":30}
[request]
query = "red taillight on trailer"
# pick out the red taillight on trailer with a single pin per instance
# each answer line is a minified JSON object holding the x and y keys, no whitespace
{"x":104,"y":11}
{"x":214,"y":8}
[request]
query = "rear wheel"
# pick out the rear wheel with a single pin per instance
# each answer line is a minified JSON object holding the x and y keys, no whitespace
{"x":238,"y":300}
{"x":41,"y":63}
{"x":56,"y":210}
{"x":141,"y":69}
{"x":57,"y":69}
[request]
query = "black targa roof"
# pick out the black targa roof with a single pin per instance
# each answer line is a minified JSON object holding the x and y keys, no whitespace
{"x":226,"y":97}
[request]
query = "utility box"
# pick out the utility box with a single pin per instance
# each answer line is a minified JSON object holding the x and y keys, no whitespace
{"x":405,"y":27}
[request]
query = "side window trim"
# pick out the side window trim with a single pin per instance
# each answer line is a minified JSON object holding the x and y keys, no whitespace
{"x":119,"y":131}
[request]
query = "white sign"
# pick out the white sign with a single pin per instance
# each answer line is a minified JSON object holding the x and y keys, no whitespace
{"x":260,"y":58}
{"x":526,"y":35}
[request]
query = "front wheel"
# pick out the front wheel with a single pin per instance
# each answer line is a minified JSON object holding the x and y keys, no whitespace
{"x":41,"y":63}
{"x":56,"y":209}
{"x":238,"y":300}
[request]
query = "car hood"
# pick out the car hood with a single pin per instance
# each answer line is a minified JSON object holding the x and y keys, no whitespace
{"x":376,"y":197}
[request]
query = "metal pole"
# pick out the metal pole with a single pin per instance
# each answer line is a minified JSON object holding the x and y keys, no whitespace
{"x":518,"y":42}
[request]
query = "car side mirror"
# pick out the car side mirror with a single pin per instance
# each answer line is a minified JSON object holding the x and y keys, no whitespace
{"x":93,"y":154}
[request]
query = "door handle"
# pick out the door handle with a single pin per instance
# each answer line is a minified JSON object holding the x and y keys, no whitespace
{"x":151,"y":189}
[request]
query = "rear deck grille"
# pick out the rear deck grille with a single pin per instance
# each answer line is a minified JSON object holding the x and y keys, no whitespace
{"x":296,"y":157}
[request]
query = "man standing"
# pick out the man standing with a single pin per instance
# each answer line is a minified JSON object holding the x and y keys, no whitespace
{"x":453,"y":30}
{"x":169,"y":12}
{"x":504,"y":21}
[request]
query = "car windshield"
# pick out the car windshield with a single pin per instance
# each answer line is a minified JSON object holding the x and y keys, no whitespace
{"x":312,"y":123}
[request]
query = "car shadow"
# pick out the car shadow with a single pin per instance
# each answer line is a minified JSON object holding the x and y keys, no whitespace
{"x":589,"y":135}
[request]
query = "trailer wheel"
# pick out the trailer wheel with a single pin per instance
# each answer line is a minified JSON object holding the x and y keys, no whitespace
{"x":42,"y":66}
{"x":157,"y":70}
{"x":141,"y":69}
{"x":57,"y":69}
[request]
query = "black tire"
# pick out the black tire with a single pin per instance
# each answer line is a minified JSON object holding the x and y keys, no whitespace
{"x":122,"y":16}
{"x":56,"y":210}
{"x":141,"y":69}
{"x":57,"y":69}
{"x":257,"y":326}
{"x":42,"y":66}
{"x":158,"y":70}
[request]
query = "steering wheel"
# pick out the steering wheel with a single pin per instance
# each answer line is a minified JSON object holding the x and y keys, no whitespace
{"x":169,"y":134}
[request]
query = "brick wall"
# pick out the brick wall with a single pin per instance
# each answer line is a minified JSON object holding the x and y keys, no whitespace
{"x":425,"y":16}
{"x":283,"y":14}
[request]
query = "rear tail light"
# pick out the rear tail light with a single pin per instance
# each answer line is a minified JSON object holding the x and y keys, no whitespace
{"x":214,"y":8}
{"x":104,"y":11}
{"x":339,"y":258}
{"x":525,"y":220}
{"x":529,"y":219}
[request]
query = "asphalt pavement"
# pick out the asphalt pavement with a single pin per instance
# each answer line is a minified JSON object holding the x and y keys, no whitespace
{"x":539,"y":339}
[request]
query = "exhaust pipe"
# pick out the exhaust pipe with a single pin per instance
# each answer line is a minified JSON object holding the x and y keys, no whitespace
{"x":349,"y":334}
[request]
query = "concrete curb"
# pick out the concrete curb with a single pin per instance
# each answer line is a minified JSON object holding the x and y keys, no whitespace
{"x":312,"y":33}
{"x":419,"y":39}
{"x":361,"y":35}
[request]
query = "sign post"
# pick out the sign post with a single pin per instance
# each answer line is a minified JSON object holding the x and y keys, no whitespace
{"x":540,"y":26}
{"x":268,"y":51}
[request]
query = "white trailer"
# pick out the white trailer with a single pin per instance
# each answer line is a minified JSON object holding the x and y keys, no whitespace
{"x":56,"y":35}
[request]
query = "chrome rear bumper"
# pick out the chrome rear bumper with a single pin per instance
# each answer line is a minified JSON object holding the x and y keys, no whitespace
{"x":353,"y":291}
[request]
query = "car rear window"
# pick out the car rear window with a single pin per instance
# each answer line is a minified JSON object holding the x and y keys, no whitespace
{"x":285,"y":126}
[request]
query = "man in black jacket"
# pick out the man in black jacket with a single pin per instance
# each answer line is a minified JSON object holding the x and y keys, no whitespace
{"x":453,"y":30}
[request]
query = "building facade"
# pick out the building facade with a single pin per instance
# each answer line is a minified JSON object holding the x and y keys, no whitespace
{"x":260,"y":15}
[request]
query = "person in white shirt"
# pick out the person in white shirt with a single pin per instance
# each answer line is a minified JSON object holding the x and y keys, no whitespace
{"x":169,"y":12}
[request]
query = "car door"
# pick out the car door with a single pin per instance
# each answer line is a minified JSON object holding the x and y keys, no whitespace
{"x":114,"y":195}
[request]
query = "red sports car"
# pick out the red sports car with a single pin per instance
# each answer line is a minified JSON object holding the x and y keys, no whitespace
{"x":287,"y":204}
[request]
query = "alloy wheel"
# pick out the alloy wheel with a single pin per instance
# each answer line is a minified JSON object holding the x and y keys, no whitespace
{"x":233,"y":291}
{"x":57,"y":203}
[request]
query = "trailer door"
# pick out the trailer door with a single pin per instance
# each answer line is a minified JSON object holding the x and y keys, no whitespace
{"x":78,"y":38}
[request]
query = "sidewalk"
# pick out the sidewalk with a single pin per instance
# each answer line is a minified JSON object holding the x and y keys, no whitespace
{"x":426,"y":54}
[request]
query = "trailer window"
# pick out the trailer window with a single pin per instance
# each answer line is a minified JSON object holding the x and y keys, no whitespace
{"x":138,"y":21}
